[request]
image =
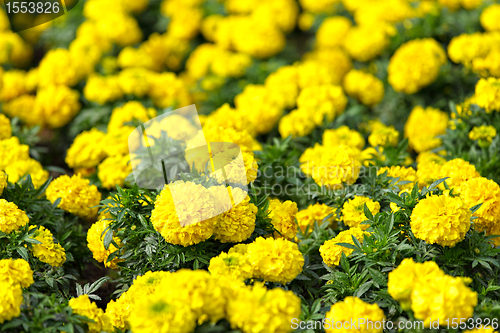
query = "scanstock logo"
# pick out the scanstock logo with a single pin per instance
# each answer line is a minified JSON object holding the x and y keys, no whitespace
{"x":31,"y":13}
{"x":171,"y":150}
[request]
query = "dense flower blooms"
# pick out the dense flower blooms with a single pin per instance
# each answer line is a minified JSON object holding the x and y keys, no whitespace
{"x":275,"y":260}
{"x":95,"y":238}
{"x":282,"y":215}
{"x":489,"y":17}
{"x":78,"y":197}
{"x":84,"y":307}
{"x":187,"y":216}
{"x":3,"y":181}
{"x":11,"y":150}
{"x":118,"y":312}
{"x":364,"y":86}
{"x":486,"y":192}
{"x":353,"y":211}
{"x":31,"y":167}
{"x":314,"y":213}
{"x":384,"y":136}
{"x":422,"y":127}
{"x":343,"y":135}
{"x":232,"y":265}
{"x":442,"y":220}
{"x":415,"y":65}
{"x":113,"y":171}
{"x":326,"y":101}
{"x":16,"y":271}
{"x":353,"y":307}
{"x":458,"y":171}
{"x":483,"y":134}
{"x":56,"y":105}
{"x":332,"y":253}
{"x":366,"y":42}
{"x":11,"y":298}
{"x":5,"y":128}
{"x":332,"y":32}
{"x":488,"y":93}
{"x":11,"y":217}
{"x":48,"y":251}
{"x":87,"y":150}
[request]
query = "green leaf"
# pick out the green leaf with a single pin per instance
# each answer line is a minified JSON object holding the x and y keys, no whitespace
{"x":378,"y":277}
{"x":23,"y":252}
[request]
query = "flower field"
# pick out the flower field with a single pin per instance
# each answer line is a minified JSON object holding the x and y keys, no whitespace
{"x":326,"y":166}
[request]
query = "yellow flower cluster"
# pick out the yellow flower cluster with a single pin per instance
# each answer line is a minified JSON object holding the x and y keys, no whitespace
{"x":353,"y":211}
{"x":331,"y":166}
{"x":430,"y":293}
{"x":353,"y":307}
{"x":441,"y":219}
{"x":11,"y":217}
{"x":314,"y":213}
{"x":343,"y":136}
{"x":83,"y":306}
{"x":428,"y":168}
{"x":95,"y":237}
{"x":282,"y":215}
{"x":458,"y":171}
{"x":3,"y":181}
{"x":382,"y":136}
{"x":489,"y":18}
{"x":47,"y":251}
{"x":14,"y":275}
{"x":177,"y":302}
{"x":422,"y":127}
{"x":488,"y":93}
{"x":483,"y":134}
{"x":415,"y":65}
{"x":232,"y":265}
{"x":78,"y":197}
{"x":364,"y":86}
{"x":332,"y":253}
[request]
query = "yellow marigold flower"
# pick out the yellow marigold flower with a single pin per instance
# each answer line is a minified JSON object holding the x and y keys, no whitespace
{"x":403,"y":173}
{"x":384,"y":136}
{"x":489,"y":65}
{"x":213,"y":134}
{"x":458,"y":171}
{"x":393,"y":205}
{"x":60,"y":67}
{"x":146,"y":285}
{"x":405,"y":278}
{"x":11,"y":150}
{"x":485,"y":329}
{"x":343,"y":136}
{"x":441,"y":220}
{"x":77,"y":195}
{"x":483,"y":191}
{"x":331,"y":166}
{"x":332,"y":32}
{"x":22,"y":107}
{"x":275,"y":260}
{"x":177,"y":95}
{"x":332,"y":253}
{"x":189,"y":222}
{"x":15,"y":50}
{"x":116,"y":141}
{"x":314,"y":213}
{"x":5,"y":128}
{"x":322,"y":101}
{"x":353,"y":211}
{"x":422,"y":127}
{"x":119,"y":28}
{"x":427,"y":157}
{"x":232,"y":265}
{"x":11,"y":217}
{"x":467,"y":47}
{"x":56,"y":105}
{"x":284,"y":83}
{"x":13,"y":85}
{"x":366,"y":42}
{"x":380,"y":12}
{"x":11,"y":298}
{"x":3,"y":181}
{"x":354,"y":307}
{"x":16,"y":271}
{"x":471,"y":4}
{"x":113,"y":171}
{"x":297,"y":123}
{"x":483,"y":134}
{"x":48,"y":252}
{"x":256,"y":309}
{"x":118,"y":312}
{"x":429,"y":171}
{"x":443,"y":297}
{"x":31,"y":167}
{"x":312,"y":73}
{"x":95,"y":242}
{"x":87,"y":150}
{"x":82,"y":306}
{"x":134,"y":81}
{"x":488,"y":94}
{"x":127,"y":113}
{"x":236,"y":223}
{"x":282,"y":215}
{"x":102,"y":89}
{"x":364,"y":86}
{"x":489,"y":18}
{"x":415,"y":65}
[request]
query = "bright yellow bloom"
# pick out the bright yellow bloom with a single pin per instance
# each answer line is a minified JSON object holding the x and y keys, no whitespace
{"x":84,"y":307}
{"x":483,"y":134}
{"x":275,"y":260}
{"x":326,"y":101}
{"x":353,"y":307}
{"x":364,"y":86}
{"x":113,"y":171}
{"x":16,"y":271}
{"x":87,"y":150}
{"x":95,"y":242}
{"x":314,"y":213}
{"x":282,"y":215}
{"x":188,"y":220}
{"x":11,"y":217}
{"x":458,"y":171}
{"x":422,"y":127}
{"x":490,"y":18}
{"x":488,"y":94}
{"x":102,"y":89}
{"x":353,"y":211}
{"x":11,"y":151}
{"x":118,"y":312}
{"x":403,"y":173}
{"x":48,"y":251}
{"x":77,"y":196}
{"x":332,"y":253}
{"x":415,"y":65}
{"x":343,"y":135}
{"x":442,"y":220}
{"x":60,"y":67}
{"x":296,"y":123}
{"x":483,"y":191}
{"x":13,"y":85}
{"x":56,"y":105}
{"x":31,"y":167}
{"x":5,"y":128}
{"x":384,"y":136}
{"x":232,"y":265}
{"x":332,"y":32}
{"x":11,"y":298}
{"x":3,"y":181}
